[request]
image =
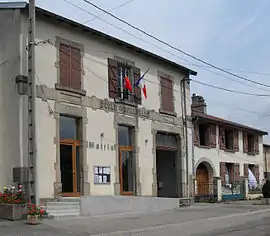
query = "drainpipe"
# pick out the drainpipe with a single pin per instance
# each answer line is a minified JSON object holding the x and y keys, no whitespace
{"x":193,"y":154}
{"x":186,"y":134}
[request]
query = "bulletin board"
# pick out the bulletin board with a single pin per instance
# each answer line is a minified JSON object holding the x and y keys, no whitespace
{"x":102,"y":175}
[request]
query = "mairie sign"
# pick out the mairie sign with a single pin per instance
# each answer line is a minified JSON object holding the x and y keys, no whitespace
{"x":101,"y":146}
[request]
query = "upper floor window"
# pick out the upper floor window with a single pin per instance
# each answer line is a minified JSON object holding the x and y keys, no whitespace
{"x":228,"y":139}
{"x":117,"y":71}
{"x":166,"y":88}
{"x":70,"y":67}
{"x":205,"y":135}
{"x":250,"y":143}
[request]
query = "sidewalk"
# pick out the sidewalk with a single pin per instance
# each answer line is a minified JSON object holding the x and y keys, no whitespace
{"x":191,"y":218}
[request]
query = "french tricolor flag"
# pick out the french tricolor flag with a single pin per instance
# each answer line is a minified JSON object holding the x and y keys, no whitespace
{"x":140,"y":83}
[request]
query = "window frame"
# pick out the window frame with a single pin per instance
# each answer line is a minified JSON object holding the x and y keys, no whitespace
{"x":162,"y":110}
{"x":207,"y":134}
{"x":231,"y":132}
{"x":79,"y":47}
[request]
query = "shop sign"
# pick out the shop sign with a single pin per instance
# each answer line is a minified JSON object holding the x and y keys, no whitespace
{"x":102,"y":147}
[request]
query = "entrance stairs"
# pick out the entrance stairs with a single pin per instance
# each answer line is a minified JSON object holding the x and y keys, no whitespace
{"x":63,"y":208}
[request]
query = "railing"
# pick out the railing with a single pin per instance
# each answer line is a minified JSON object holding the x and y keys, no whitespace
{"x":234,"y":188}
{"x":255,"y":187}
{"x":205,"y":192}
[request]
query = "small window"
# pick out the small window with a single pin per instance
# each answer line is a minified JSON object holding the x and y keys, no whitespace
{"x":204,"y":135}
{"x":251,"y":143}
{"x":229,"y":138}
{"x":122,"y":72}
{"x":70,"y":67}
{"x":166,"y":89}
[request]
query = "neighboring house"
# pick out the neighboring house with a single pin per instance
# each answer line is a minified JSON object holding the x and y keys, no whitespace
{"x":266,"y":152}
{"x":226,"y":150}
{"x":94,"y":137}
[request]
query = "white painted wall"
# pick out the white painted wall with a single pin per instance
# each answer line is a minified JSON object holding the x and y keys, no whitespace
{"x":215,"y":155}
{"x":96,"y":53}
{"x":10,"y":67}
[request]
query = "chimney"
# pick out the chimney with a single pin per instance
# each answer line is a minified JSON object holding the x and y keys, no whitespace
{"x":198,"y":104}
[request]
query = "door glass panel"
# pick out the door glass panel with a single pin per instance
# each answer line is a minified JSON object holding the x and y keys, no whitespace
{"x":124,"y":135}
{"x":78,"y":169}
{"x":69,"y":127}
{"x":127,"y":171}
{"x":166,"y":140}
{"x":66,"y":168}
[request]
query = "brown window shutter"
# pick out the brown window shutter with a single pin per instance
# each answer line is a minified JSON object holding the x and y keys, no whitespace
{"x":256,"y":145}
{"x":246,"y":170}
{"x":222,"y":172}
{"x":112,"y":78}
{"x":257,"y":172}
{"x":137,"y":92}
{"x":65,"y":65}
{"x":221,"y":138}
{"x":196,"y":134}
{"x":213,"y":136}
{"x":245,"y":142}
{"x":166,"y":94}
{"x":236,"y":141}
{"x":76,"y":69}
{"x":236,"y":172}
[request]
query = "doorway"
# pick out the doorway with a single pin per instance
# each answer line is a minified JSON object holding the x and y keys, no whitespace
{"x":166,"y":173}
{"x":70,"y":162}
{"x":127,"y":165}
{"x":202,"y":176}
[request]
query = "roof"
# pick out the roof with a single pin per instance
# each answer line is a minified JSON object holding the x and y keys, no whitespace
{"x":24,"y":5}
{"x":215,"y":119}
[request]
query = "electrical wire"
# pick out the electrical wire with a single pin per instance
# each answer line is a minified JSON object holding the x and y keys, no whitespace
{"x":230,"y":90}
{"x":205,"y":84}
{"x":173,"y":47}
{"x":160,"y":48}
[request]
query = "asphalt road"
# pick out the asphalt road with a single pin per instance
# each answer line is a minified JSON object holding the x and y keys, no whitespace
{"x":199,"y":220}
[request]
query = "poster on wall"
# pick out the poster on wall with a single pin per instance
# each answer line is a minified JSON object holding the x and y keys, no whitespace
{"x":102,"y":175}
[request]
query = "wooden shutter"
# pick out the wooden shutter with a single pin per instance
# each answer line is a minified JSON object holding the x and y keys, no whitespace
{"x":137,"y":92}
{"x":112,"y":78}
{"x":213,"y":135}
{"x":246,"y":170}
{"x":65,"y":65}
{"x":196,"y":134}
{"x":222,"y":138}
{"x":236,"y":172}
{"x":166,"y":94}
{"x":257,"y":172}
{"x":76,"y":69}
{"x":222,"y":172}
{"x":236,"y":141}
{"x":256,"y":145}
{"x":245,"y":142}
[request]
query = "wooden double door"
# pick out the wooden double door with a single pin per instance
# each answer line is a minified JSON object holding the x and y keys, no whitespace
{"x":70,"y":166}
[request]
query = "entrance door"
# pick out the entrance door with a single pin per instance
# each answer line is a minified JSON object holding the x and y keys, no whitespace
{"x":126,"y":170}
{"x":166,"y":173}
{"x":70,"y":168}
{"x":202,"y":180}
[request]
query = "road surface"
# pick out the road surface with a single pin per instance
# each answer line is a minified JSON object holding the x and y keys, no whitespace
{"x":198,"y":220}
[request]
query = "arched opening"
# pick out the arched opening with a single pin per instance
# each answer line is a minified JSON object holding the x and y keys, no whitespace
{"x":204,"y":176}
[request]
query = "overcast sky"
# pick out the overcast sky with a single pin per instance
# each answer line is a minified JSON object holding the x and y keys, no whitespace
{"x":231,"y":34}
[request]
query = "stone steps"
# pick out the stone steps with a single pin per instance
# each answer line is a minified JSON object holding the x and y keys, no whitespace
{"x":63,"y":208}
